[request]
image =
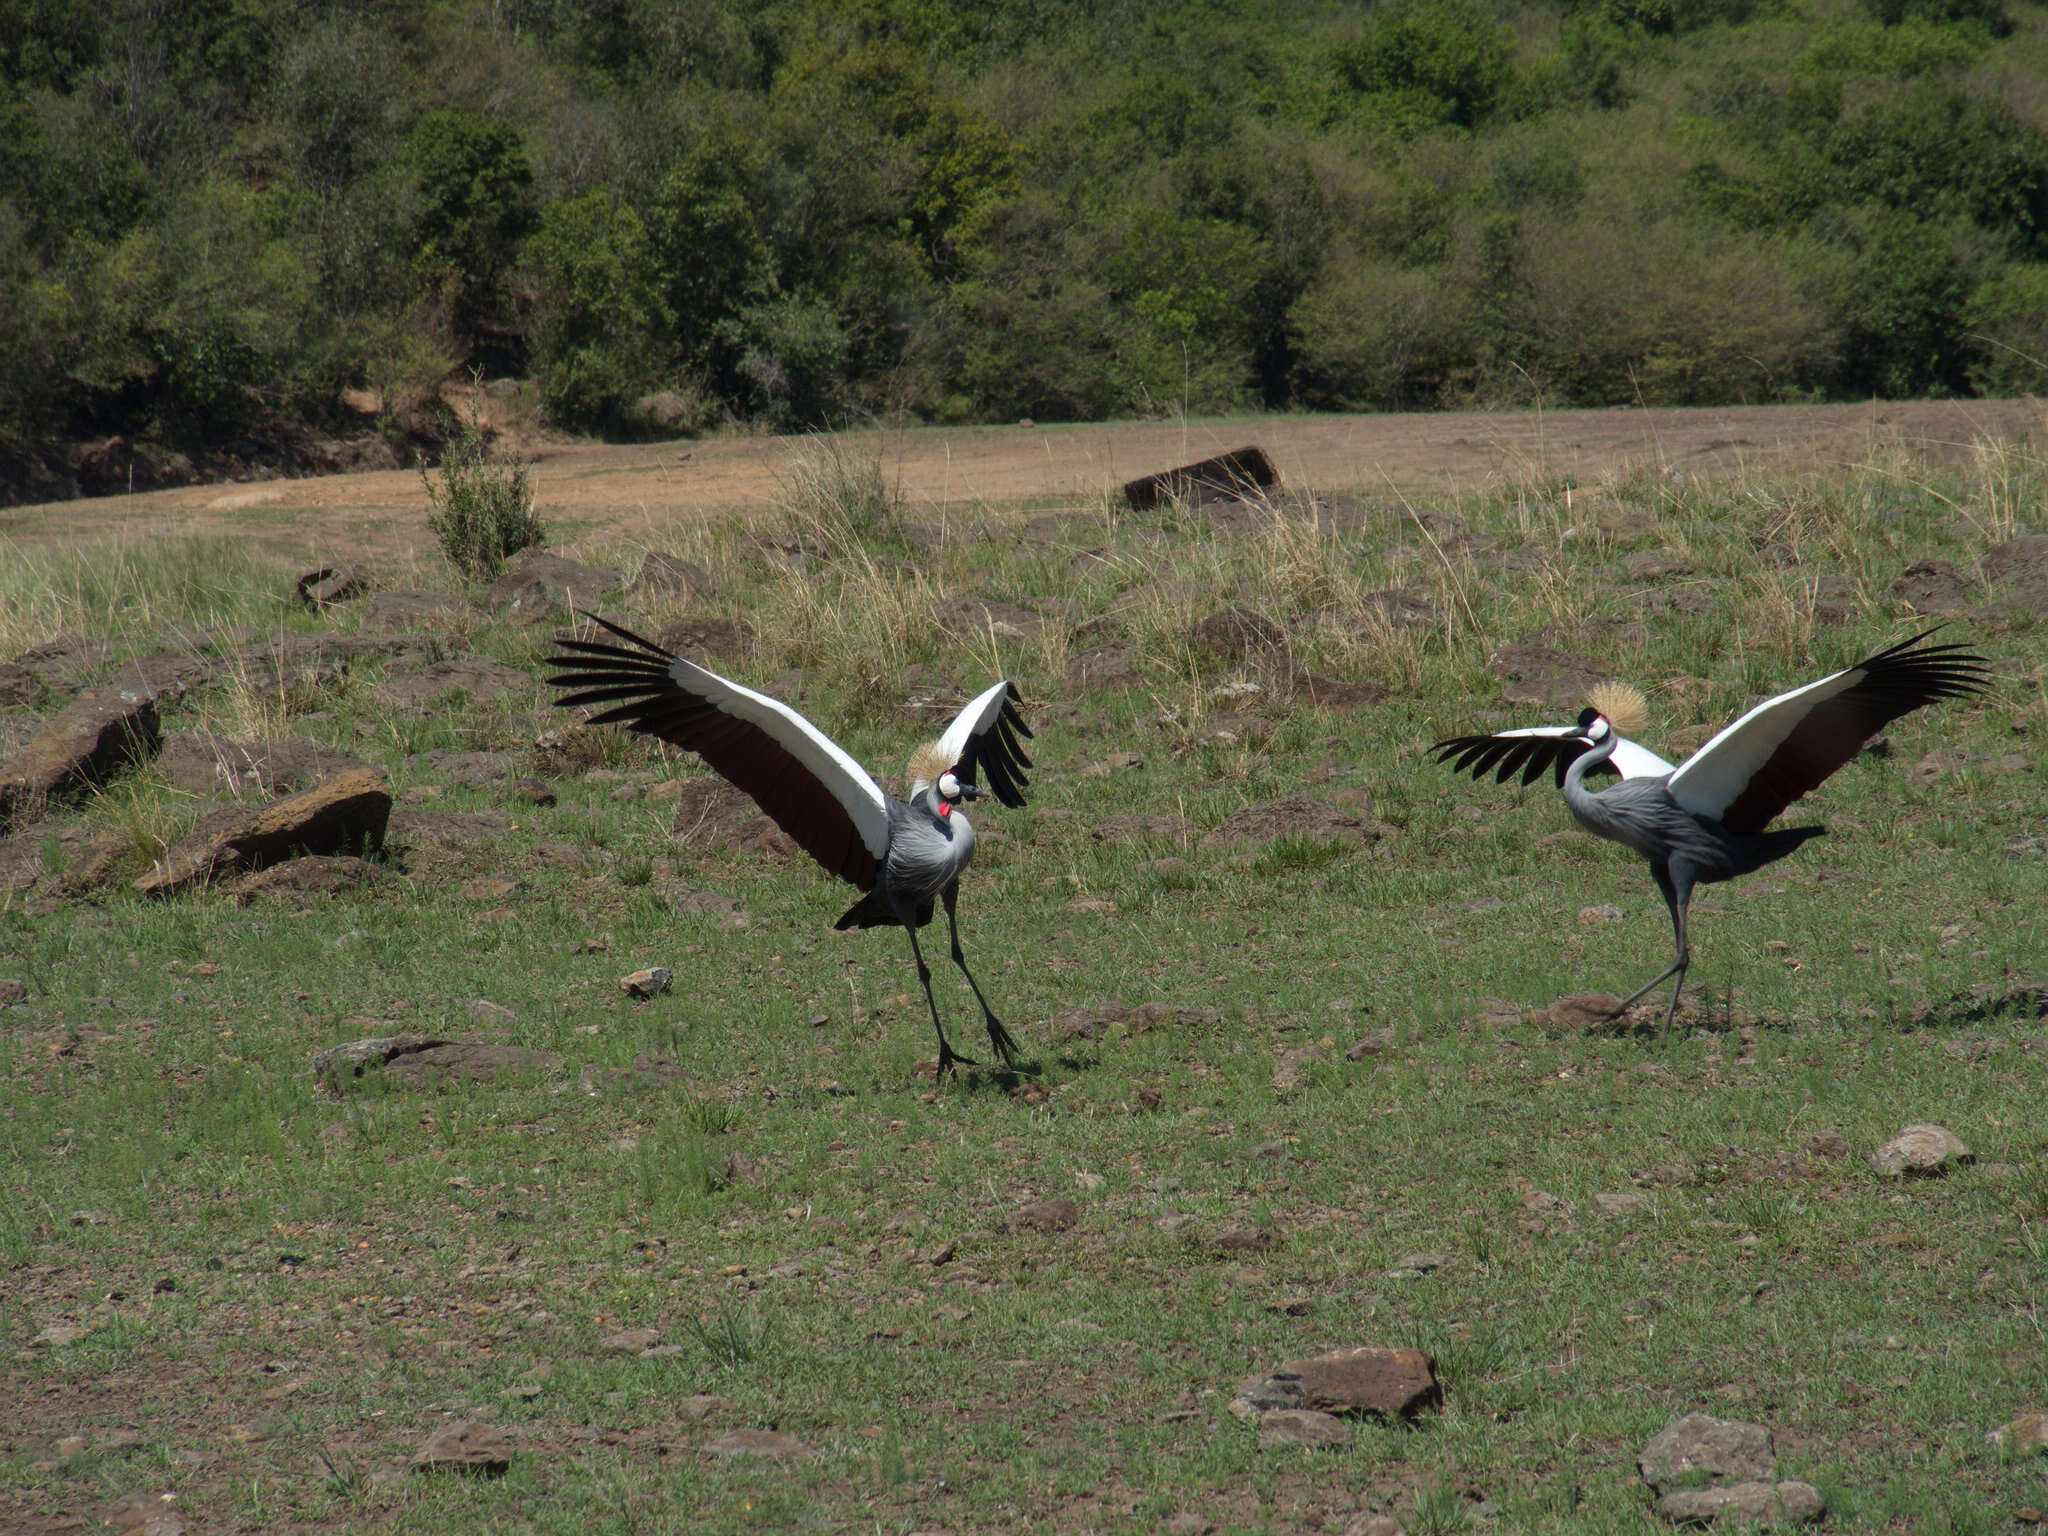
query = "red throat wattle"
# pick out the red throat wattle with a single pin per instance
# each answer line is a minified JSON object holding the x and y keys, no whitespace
{"x":945,"y":809}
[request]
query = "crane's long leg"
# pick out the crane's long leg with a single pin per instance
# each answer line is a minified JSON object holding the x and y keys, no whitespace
{"x":1677,"y":894}
{"x":998,"y":1036}
{"x":947,"y":1055}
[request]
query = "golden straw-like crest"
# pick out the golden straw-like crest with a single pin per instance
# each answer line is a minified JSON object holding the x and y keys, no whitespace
{"x":926,"y":764}
{"x":1623,"y":704}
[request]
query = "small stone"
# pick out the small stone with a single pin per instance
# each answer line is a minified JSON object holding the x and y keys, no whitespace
{"x":1363,"y":1380}
{"x":1422,"y":1263}
{"x":1301,"y":1426}
{"x":12,"y":991}
{"x":630,"y":1341}
{"x":1291,"y":1306}
{"x":1188,"y":1524}
{"x":1756,"y":1502}
{"x":1242,"y":1240}
{"x":67,"y":1446}
{"x":646,"y":983}
{"x":1583,"y":1010}
{"x":2027,"y":1433}
{"x":477,"y":1450}
{"x":137,"y":1511}
{"x":1606,"y":912}
{"x":756,"y":1442}
{"x":1627,"y":1202}
{"x":1829,"y":1145}
{"x":700,"y":1406}
{"x":1056,"y":1215}
{"x":56,"y":1336}
{"x":1373,"y":1525}
{"x":483,"y":1011}
{"x":533,"y":792}
{"x":1921,"y":1149}
{"x":489,"y":889}
{"x":1720,"y":1450}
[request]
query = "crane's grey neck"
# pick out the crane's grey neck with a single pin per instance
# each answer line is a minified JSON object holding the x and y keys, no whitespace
{"x":1583,"y":803}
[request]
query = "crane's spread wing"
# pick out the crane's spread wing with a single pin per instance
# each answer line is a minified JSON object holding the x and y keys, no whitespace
{"x":805,"y":782}
{"x":1786,"y":746}
{"x":983,"y":739}
{"x":1531,"y":750}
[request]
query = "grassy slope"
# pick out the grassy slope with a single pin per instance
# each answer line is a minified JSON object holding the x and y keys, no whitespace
{"x":453,"y":1247}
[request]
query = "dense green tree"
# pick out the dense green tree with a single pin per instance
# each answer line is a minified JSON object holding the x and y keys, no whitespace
{"x":475,"y":206}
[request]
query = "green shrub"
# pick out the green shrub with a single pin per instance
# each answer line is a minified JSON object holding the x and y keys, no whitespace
{"x":2006,"y":321}
{"x":482,"y":509}
{"x":599,"y":337}
{"x":1423,"y":63}
{"x":1371,"y":335}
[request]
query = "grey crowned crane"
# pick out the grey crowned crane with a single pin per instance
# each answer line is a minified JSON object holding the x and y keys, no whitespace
{"x":1705,"y":821}
{"x":904,"y":855}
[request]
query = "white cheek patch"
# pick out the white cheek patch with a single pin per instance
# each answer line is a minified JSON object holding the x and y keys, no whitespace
{"x":949,"y":787}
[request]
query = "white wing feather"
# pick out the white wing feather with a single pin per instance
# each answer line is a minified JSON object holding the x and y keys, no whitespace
{"x":979,"y":715}
{"x":1715,"y":775}
{"x":822,"y":757}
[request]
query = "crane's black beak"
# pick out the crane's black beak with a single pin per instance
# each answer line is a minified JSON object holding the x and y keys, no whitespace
{"x":970,"y":792}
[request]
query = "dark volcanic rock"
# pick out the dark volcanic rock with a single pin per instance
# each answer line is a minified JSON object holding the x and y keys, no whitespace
{"x":1297,"y":817}
{"x":476,"y":677}
{"x":1319,"y":692}
{"x":1105,"y":667}
{"x":201,"y":763}
{"x":1699,"y":1447}
{"x":93,"y":738}
{"x":165,"y":674}
{"x":441,"y":1063}
{"x":1236,"y":632}
{"x":347,"y":812}
{"x":475,"y":1450}
{"x":972,"y":618}
{"x":712,"y":815}
{"x":575,"y":584}
{"x":1933,"y":586}
{"x":329,"y":584}
{"x":1537,"y":674}
{"x":667,"y":577}
{"x":314,"y":875}
{"x":404,"y":610}
{"x":702,"y":639}
{"x":1226,"y":477}
{"x":1360,"y":1382}
{"x":479,"y":770}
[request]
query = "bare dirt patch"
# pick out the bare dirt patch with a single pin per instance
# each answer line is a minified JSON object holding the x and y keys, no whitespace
{"x":598,"y":495}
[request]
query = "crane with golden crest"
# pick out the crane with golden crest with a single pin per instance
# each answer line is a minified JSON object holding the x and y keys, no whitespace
{"x":1707,"y":821}
{"x":906,"y":856}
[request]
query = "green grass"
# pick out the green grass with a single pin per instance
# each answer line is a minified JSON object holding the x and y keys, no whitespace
{"x":338,"y":1274}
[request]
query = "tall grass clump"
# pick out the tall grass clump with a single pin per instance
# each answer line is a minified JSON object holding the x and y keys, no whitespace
{"x":835,"y":498}
{"x":112,"y":589}
{"x":482,"y":507}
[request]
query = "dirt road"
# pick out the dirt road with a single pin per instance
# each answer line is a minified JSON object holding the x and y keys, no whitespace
{"x":596,"y":494}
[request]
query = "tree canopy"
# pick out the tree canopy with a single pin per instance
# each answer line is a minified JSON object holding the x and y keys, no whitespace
{"x":218,"y":216}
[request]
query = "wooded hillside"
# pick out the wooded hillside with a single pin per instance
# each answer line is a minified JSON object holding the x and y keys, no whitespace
{"x":216,"y":215}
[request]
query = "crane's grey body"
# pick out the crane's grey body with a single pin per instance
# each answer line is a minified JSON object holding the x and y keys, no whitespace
{"x":1684,"y":849}
{"x":1709,"y":819}
{"x":928,"y":852}
{"x":931,"y":843}
{"x":906,"y":855}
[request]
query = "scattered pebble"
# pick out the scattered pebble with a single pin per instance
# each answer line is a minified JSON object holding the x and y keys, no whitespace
{"x":1922,"y":1149}
{"x":646,"y":983}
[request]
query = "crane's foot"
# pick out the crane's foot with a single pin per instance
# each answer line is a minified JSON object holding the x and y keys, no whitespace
{"x":950,"y":1058}
{"x":999,"y":1037}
